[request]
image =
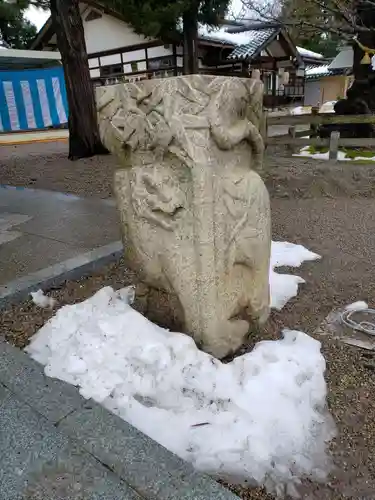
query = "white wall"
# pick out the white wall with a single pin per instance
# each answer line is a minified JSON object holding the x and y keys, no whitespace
{"x":108,"y":33}
{"x":312,"y":92}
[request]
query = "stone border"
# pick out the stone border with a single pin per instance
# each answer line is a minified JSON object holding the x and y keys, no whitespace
{"x":148,"y":470}
{"x":71,"y":269}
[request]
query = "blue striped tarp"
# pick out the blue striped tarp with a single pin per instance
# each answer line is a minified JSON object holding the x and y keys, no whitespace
{"x":32,"y":99}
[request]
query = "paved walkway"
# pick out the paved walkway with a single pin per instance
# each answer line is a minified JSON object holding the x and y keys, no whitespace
{"x":57,"y":446}
{"x":36,"y":136}
{"x":41,"y":228}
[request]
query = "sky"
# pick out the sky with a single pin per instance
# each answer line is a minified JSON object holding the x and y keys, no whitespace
{"x":39,"y":17}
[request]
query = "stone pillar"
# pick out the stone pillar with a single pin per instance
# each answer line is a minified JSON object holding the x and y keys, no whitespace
{"x":195,"y":213}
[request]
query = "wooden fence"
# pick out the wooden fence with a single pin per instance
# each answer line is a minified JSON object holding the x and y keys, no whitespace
{"x":308,"y":136}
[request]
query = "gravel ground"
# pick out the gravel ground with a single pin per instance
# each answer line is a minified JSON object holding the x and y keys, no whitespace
{"x":327,"y":207}
{"x":343,"y":232}
{"x":45,"y":166}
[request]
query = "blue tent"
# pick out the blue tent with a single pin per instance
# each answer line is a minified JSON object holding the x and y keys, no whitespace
{"x":32,"y":99}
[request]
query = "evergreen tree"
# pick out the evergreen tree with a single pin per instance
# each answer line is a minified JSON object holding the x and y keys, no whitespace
{"x":15,"y":29}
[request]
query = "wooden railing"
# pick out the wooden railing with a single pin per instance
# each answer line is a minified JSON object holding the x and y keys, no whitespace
{"x":308,"y":136}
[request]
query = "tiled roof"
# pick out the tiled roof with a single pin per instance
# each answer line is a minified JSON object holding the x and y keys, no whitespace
{"x":313,"y":66}
{"x":343,"y":60}
{"x":256,"y":39}
{"x":326,"y":70}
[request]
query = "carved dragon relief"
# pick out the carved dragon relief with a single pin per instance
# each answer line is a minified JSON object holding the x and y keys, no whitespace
{"x":190,"y":150}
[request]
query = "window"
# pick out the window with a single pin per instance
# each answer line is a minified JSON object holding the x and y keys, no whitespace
{"x":134,"y":66}
{"x":93,"y":15}
{"x":160,"y":63}
{"x":112,"y":69}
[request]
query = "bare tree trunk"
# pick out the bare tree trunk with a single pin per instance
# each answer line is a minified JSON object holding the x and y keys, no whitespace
{"x":84,"y":140}
{"x":190,"y":27}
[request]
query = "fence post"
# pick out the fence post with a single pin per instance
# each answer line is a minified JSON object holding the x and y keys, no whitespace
{"x":334,"y":145}
{"x":313,"y":127}
{"x":292,"y":135}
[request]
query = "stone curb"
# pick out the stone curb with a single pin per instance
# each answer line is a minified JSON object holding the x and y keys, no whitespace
{"x":71,"y":269}
{"x":148,"y":468}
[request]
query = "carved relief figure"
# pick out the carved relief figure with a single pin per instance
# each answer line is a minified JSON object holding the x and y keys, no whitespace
{"x":194,"y":211}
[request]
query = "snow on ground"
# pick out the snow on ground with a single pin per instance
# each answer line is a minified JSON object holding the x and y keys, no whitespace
{"x":300,"y":110}
{"x":341,"y":156}
{"x":328,"y":107}
{"x":283,"y":287}
{"x":360,"y":305}
{"x":259,"y":418}
{"x":42,"y":300}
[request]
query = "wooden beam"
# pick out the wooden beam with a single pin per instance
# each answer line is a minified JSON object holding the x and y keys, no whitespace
{"x":270,"y":59}
{"x":320,"y":119}
{"x":129,"y":48}
{"x":299,"y":141}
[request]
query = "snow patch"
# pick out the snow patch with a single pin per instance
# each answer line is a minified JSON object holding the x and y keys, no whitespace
{"x":300,"y":110}
{"x":42,"y":300}
{"x":259,"y":418}
{"x":341,"y":156}
{"x":360,"y":305}
{"x":283,"y":287}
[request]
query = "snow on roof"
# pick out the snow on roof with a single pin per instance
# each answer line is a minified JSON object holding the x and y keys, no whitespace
{"x":223,"y":36}
{"x":255,"y":40}
{"x":309,"y":53}
{"x":318,"y":71}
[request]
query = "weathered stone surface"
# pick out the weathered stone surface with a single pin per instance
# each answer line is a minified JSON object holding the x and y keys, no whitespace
{"x":195,"y":213}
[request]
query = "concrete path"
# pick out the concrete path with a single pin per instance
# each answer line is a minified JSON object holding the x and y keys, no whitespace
{"x":57,"y":446}
{"x":41,"y":228}
{"x":36,"y":136}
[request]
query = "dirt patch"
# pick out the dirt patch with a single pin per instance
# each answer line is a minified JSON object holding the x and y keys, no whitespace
{"x":297,"y":177}
{"x":46,"y":166}
{"x":343,"y":232}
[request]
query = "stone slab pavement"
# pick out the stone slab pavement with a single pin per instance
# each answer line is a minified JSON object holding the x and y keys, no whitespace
{"x":57,"y":446}
{"x":42,"y":228}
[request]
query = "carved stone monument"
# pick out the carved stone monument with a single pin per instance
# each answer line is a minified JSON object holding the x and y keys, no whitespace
{"x":195,"y":213}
